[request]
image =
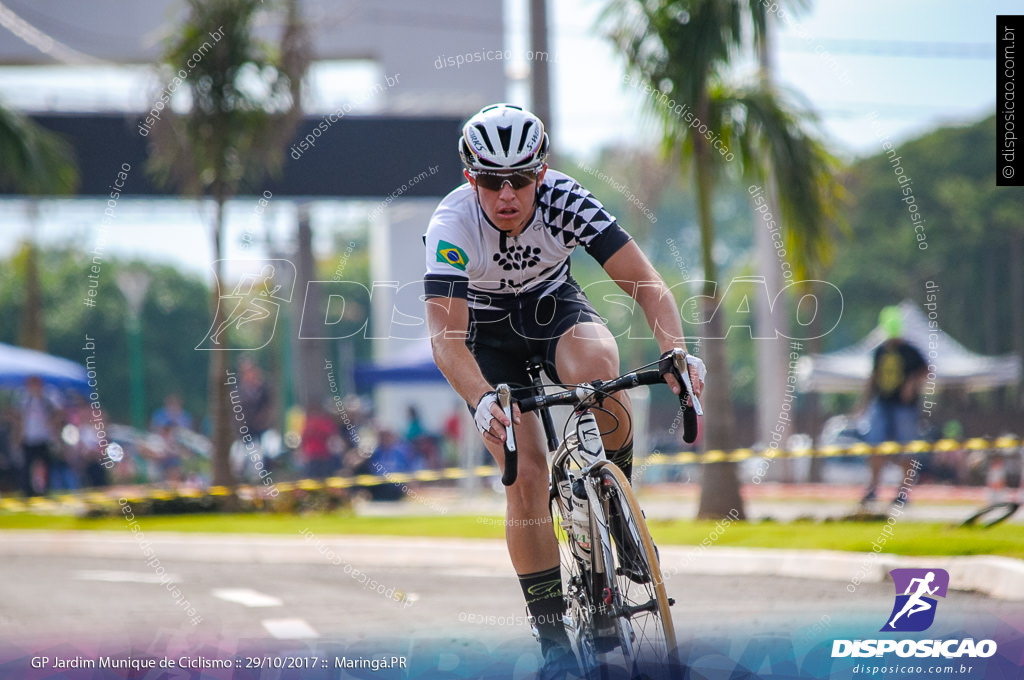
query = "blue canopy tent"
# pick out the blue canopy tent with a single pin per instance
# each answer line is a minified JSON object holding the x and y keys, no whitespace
{"x":18,"y":363}
{"x":416,"y":364}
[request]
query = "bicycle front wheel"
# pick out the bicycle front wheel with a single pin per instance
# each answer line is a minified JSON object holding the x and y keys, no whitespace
{"x":637,"y":594}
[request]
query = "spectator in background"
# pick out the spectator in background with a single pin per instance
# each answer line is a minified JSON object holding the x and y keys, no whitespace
{"x":83,"y":446}
{"x":414,"y":428}
{"x":40,"y":417}
{"x":64,"y":464}
{"x":10,"y":453}
{"x":168,"y":454}
{"x":427,"y":451}
{"x":894,"y":389}
{"x":392,"y":456}
{"x":171,"y":414}
{"x":424,"y":444}
{"x":317,"y":434}
{"x":256,"y":399}
{"x":453,"y":436}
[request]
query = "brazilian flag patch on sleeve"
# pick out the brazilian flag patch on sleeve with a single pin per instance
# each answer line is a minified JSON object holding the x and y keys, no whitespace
{"x":453,"y":255}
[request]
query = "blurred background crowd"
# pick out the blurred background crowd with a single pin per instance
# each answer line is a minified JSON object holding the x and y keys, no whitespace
{"x":48,"y":442}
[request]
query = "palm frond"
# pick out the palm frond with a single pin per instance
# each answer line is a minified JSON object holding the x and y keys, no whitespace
{"x":244,"y":94}
{"x":681,"y":50}
{"x":34,"y":160}
{"x":779,"y":139}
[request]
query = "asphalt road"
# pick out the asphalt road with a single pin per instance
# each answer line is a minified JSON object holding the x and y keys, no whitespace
{"x":47,"y":598}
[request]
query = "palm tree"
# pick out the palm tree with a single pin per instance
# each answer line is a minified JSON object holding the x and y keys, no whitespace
{"x":245,"y":106}
{"x":682,"y":51}
{"x":34,"y":161}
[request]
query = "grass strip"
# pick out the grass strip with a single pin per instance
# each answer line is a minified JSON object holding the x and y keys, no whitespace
{"x":907,"y":538}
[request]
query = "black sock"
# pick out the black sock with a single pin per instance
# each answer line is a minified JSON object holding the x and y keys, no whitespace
{"x":544,"y":599}
{"x":624,"y":459}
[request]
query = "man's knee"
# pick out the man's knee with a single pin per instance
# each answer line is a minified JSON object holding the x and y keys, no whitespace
{"x":533,"y":471}
{"x":531,"y":485}
{"x":599,"y":365}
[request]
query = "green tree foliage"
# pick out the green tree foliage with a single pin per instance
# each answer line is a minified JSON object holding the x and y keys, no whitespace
{"x":175,"y":316}
{"x":969,"y":226}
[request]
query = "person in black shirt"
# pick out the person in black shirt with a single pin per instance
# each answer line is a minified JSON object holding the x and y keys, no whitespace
{"x":897,"y":375}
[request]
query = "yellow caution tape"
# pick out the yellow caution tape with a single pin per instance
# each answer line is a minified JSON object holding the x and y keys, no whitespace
{"x":101,"y":498}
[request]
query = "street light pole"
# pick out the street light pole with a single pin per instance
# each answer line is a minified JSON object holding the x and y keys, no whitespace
{"x":133,"y":285}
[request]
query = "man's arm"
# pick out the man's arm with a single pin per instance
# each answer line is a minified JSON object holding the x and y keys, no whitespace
{"x":635,"y":274}
{"x":448,"y":322}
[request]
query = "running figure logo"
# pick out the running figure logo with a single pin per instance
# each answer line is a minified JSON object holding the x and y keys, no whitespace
{"x":255,"y":297}
{"x":914,"y":611}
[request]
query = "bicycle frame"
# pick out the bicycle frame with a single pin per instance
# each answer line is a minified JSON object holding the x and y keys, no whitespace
{"x":599,"y":609}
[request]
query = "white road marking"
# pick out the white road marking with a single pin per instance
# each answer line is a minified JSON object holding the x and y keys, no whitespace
{"x":124,"y":576}
{"x":289,"y":629}
{"x":246,"y":597}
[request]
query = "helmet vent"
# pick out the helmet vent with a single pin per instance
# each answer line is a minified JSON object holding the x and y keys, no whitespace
{"x":505,"y":137}
{"x":484,"y":136}
{"x":523,"y":137}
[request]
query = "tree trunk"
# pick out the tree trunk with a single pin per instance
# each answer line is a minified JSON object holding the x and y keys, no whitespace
{"x":816,"y":410}
{"x":33,"y":333}
{"x":220,"y":397}
{"x":720,"y":488}
{"x":310,"y":380}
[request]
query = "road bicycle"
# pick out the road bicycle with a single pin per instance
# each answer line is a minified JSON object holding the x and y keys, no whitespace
{"x":617,"y":610}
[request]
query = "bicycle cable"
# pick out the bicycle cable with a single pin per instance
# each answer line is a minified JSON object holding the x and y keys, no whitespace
{"x":597,"y":397}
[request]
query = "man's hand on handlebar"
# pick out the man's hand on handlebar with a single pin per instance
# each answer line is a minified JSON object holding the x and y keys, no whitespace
{"x":491,"y":420}
{"x":697,"y":372}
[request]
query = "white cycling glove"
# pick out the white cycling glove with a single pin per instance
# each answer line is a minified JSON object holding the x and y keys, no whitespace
{"x":483,"y":415}
{"x":702,"y":370}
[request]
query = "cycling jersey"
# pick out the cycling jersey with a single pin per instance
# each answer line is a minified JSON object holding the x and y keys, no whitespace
{"x":468,"y":257}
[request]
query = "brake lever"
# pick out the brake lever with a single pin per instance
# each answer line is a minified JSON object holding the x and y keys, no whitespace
{"x":683,"y":369}
{"x":505,"y":402}
{"x":508,"y":478}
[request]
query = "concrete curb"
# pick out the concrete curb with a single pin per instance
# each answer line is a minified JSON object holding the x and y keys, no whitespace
{"x":997,"y":577}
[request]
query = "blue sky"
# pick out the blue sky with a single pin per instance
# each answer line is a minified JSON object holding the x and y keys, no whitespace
{"x":886,"y":57}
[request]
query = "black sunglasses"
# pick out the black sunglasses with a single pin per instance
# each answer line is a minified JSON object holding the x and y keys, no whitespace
{"x":494,"y":181}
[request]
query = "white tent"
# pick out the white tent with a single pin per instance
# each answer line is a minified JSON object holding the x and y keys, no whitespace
{"x":848,"y":369}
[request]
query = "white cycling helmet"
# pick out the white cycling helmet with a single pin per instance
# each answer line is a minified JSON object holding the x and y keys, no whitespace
{"x":503,"y":137}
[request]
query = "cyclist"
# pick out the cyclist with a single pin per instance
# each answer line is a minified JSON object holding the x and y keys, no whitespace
{"x":499,"y":291}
